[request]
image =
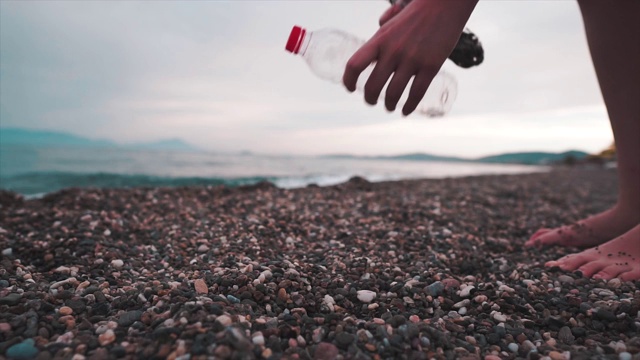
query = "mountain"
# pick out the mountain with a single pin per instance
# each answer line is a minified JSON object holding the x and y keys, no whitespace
{"x":168,"y":144}
{"x":534,"y":158}
{"x":526,"y":158}
{"x":17,"y":136}
{"x":411,"y":157}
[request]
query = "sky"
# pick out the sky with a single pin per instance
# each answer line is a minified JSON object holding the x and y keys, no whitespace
{"x":215,"y":73}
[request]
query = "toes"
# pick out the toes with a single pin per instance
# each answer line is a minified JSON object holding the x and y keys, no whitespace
{"x":598,"y":270}
{"x":534,"y":240}
{"x":609,"y":272}
{"x":571,"y":262}
{"x":549,"y":237}
{"x":630,"y":275}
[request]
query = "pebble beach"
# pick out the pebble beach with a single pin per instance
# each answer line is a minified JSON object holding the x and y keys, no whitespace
{"x":415,"y":269}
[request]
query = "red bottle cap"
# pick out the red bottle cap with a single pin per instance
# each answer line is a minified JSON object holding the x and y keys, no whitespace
{"x":295,"y":39}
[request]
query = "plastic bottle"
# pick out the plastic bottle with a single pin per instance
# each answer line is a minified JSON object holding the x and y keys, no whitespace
{"x":327,"y":52}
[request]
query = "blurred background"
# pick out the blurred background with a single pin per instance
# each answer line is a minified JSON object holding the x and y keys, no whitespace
{"x":138,"y":93}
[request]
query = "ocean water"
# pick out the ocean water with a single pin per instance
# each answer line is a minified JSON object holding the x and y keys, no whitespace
{"x":35,"y":171}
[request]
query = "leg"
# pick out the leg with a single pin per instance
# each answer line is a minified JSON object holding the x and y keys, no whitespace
{"x":613,"y":33}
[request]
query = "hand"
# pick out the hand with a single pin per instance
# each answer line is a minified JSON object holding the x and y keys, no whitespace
{"x":411,"y":42}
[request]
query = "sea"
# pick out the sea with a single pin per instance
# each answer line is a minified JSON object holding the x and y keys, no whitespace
{"x":36,"y":171}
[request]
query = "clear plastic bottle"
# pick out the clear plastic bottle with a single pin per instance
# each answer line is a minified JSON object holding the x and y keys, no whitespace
{"x":327,"y":52}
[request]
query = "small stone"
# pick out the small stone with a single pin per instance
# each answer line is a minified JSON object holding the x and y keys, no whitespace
{"x":118,"y":264}
{"x":498,"y":316}
{"x":605,"y":314}
{"x":344,"y":339}
{"x":24,"y":350}
{"x":480,"y":299}
{"x":11,"y":299}
{"x":224,"y":320}
{"x":326,"y":351}
{"x":65,"y":310}
{"x":566,"y":279}
{"x":267,"y":353}
{"x":466,"y":292}
{"x":282,"y":294}
{"x":451,"y":283}
{"x":366,"y":296}
{"x":7,"y":252}
{"x":258,"y":338}
{"x":555,"y":355}
{"x":435,"y":289}
{"x":107,"y":338}
{"x":513,"y":347}
{"x":128,"y":318}
{"x":201,"y":286}
{"x":625,"y":356}
{"x":614,"y":283}
{"x":203,"y":248}
{"x":565,"y":335}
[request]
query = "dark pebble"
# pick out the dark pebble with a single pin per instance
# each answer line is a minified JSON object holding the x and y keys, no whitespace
{"x":604,"y":314}
{"x":11,"y":299}
{"x":129,"y":318}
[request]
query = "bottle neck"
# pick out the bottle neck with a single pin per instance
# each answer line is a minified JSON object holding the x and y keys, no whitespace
{"x":306,"y":39}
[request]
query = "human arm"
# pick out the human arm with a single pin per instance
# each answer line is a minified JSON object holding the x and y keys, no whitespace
{"x":414,"y":41}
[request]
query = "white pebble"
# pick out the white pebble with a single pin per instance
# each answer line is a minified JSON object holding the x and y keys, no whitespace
{"x":464,"y":293}
{"x":513,"y":347}
{"x":7,"y":252}
{"x":624,"y":356}
{"x":118,"y":264}
{"x":500,"y":317}
{"x":366,"y":296}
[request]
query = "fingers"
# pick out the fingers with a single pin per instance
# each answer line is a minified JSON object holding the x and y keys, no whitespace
{"x":378,"y":78}
{"x":418,"y":89}
{"x":396,"y":87}
{"x":389,"y":14}
{"x":367,"y":54}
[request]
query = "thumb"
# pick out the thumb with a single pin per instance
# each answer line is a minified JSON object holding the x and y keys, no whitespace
{"x":390,"y":13}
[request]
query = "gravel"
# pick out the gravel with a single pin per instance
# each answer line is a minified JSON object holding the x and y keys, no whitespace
{"x":396,"y":270}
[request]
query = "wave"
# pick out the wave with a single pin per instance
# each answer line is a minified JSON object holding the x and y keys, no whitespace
{"x":46,"y":182}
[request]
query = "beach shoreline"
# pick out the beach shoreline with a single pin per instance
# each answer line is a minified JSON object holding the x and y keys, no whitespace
{"x":414,"y":269}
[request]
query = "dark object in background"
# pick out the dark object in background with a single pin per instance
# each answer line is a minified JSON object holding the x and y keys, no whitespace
{"x":467,"y":53}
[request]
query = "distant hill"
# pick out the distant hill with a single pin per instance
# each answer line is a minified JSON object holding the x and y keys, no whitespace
{"x":526,"y":158}
{"x":169,"y":144}
{"x":17,"y":136}
{"x":533,"y":158}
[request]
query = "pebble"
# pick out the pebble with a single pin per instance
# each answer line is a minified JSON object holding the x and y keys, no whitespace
{"x":65,"y":310}
{"x":466,"y":292}
{"x":326,"y":351}
{"x":23,"y":350}
{"x":499,"y":317}
{"x":7,"y":252}
{"x":118,"y":264}
{"x":224,"y":320}
{"x":366,"y":296}
{"x":625,"y":356}
{"x":129,"y":317}
{"x":566,"y":279}
{"x":565,"y":335}
{"x":435,"y":289}
{"x":10,"y":299}
{"x":201,"y":286}
{"x":513,"y":347}
{"x":107,"y":338}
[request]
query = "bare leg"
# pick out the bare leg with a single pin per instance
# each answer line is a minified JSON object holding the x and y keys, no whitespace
{"x":613,"y":33}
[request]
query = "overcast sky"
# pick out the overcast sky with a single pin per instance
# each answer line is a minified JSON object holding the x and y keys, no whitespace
{"x":215,"y":74}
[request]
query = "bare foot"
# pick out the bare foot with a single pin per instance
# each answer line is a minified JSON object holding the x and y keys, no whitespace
{"x":594,"y":230}
{"x":618,"y":258}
